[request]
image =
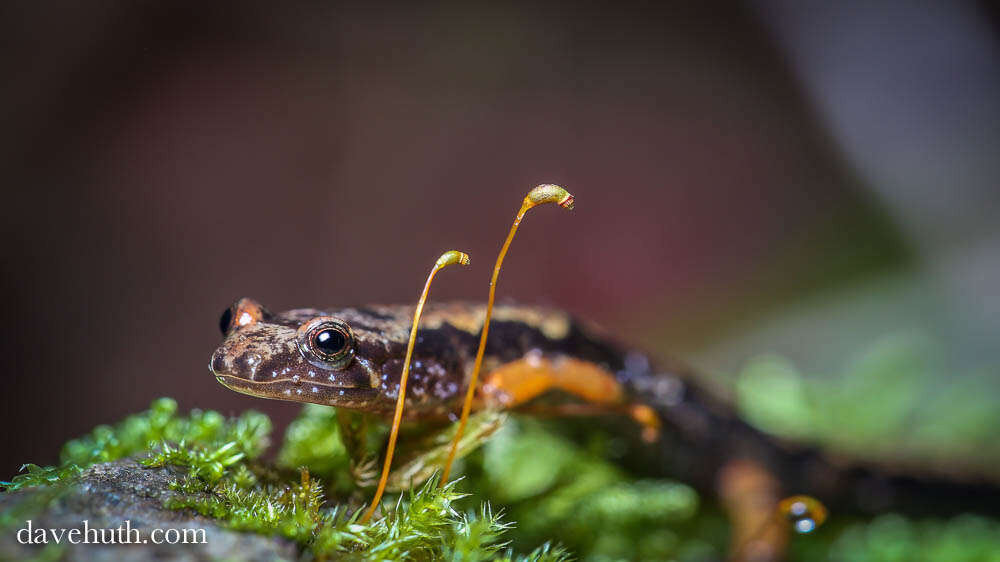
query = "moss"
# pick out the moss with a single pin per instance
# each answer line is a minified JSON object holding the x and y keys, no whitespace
{"x":225,"y":483}
{"x":215,"y":443}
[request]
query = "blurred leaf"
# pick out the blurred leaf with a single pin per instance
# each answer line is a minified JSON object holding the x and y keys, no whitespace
{"x":773,"y":395}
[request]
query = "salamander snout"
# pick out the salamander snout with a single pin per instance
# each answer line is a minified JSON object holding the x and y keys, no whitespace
{"x":249,"y":343}
{"x":244,"y":365}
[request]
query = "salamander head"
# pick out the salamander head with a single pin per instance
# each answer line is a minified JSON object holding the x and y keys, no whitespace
{"x":304,"y":355}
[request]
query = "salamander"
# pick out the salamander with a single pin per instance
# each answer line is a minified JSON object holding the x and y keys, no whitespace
{"x":352,"y":358}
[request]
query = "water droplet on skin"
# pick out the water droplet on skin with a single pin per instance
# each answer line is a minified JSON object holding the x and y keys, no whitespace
{"x":805,"y":525}
{"x":804,"y":513}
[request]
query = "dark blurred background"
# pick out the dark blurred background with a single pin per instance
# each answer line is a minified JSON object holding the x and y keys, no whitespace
{"x":751,"y":178}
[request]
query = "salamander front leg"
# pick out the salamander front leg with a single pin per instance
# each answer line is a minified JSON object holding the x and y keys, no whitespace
{"x":354,"y":429}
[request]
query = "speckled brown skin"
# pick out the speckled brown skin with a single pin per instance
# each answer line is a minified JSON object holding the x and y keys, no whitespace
{"x":701,"y":436}
{"x":262,"y":357}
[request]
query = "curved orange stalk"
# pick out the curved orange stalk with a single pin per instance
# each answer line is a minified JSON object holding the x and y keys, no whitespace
{"x":545,"y":193}
{"x":447,"y":258}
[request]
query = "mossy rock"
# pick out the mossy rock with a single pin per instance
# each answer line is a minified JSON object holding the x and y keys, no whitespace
{"x":108,"y":494}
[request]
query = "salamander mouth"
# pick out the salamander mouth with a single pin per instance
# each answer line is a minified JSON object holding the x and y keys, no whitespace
{"x":237,"y":384}
{"x":301,"y":391}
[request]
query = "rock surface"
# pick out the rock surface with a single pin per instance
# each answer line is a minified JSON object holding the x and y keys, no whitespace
{"x":124,"y":495}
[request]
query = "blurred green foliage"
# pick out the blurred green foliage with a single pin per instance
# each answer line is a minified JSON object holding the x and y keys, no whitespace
{"x":898,"y":402}
{"x":557,"y":489}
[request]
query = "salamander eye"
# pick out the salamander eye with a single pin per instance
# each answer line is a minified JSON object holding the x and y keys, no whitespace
{"x":326,"y":342}
{"x":330,"y":341}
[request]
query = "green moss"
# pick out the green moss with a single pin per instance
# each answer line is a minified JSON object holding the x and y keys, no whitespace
{"x":424,"y":525}
{"x":35,"y":475}
{"x":223,"y":482}
{"x":215,"y":443}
